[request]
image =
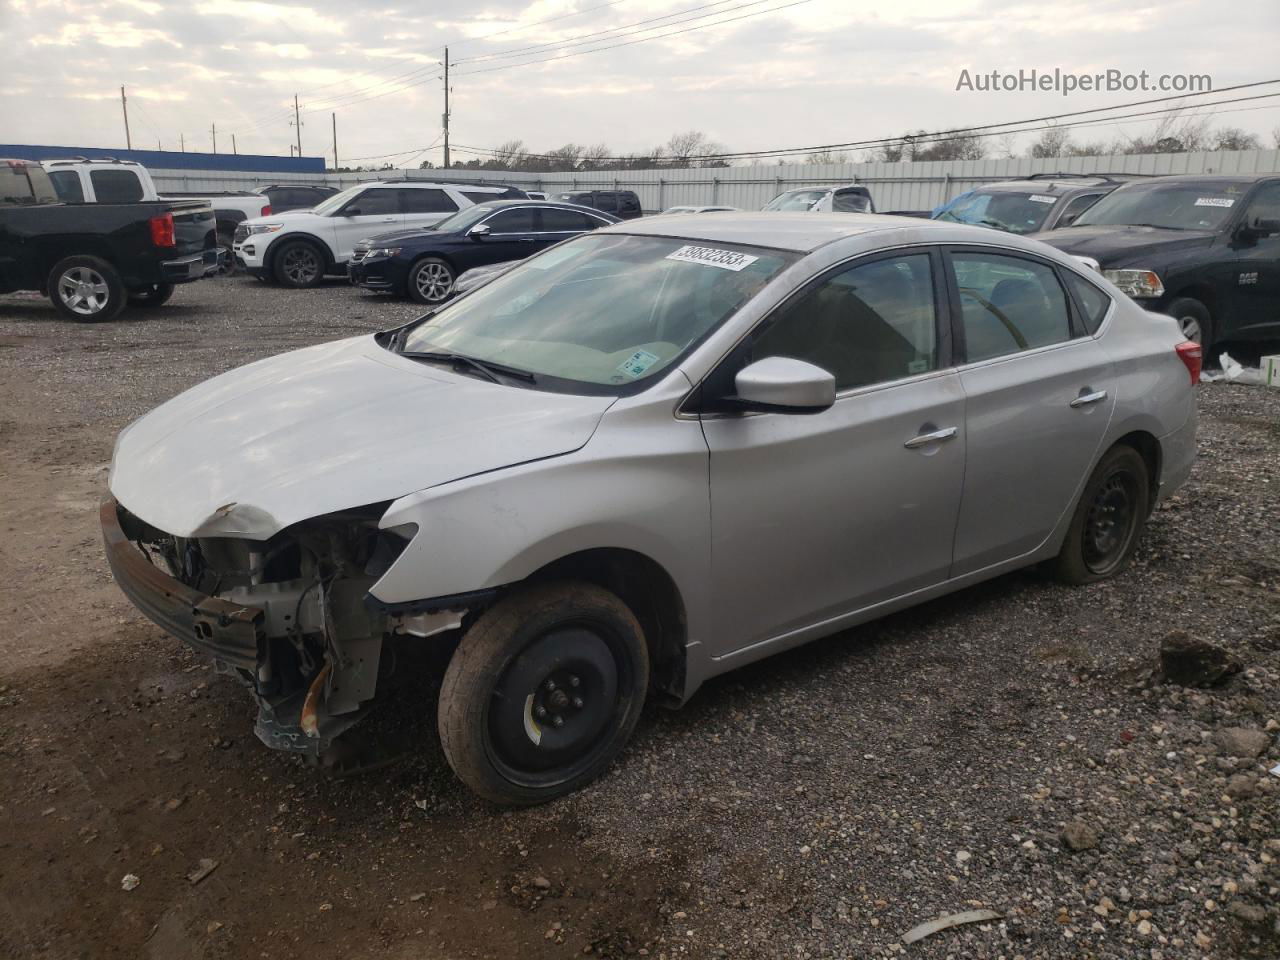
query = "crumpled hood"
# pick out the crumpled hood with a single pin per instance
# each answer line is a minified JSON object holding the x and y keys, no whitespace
{"x":1122,"y":246}
{"x":327,"y":428}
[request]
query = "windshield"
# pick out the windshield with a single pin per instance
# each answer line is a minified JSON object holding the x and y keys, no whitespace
{"x":464,"y":218}
{"x":1180,"y":205}
{"x":796,"y":200}
{"x":1003,"y":210}
{"x":327,"y":206}
{"x":601,"y":312}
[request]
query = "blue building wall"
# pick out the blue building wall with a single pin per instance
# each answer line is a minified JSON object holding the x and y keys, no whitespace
{"x":171,"y":159}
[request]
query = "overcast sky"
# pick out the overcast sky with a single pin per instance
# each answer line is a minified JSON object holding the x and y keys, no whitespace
{"x":819,"y":71}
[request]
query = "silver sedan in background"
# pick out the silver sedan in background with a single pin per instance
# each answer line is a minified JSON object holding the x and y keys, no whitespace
{"x":642,"y":458}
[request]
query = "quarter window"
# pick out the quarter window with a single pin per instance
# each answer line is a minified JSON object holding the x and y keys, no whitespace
{"x":116,"y":186}
{"x":1008,"y":305}
{"x":427,"y":200}
{"x":1093,"y":302}
{"x":868,"y":324}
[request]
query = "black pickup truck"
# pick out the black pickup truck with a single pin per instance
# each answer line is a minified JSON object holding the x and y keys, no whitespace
{"x":92,"y":260}
{"x":1204,"y":249}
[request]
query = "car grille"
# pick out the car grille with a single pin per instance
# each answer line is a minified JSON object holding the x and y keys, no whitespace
{"x":242,"y":234}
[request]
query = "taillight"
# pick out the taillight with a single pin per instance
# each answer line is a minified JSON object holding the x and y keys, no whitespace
{"x":1192,"y":357}
{"x":266,"y":211}
{"x":162,"y":230}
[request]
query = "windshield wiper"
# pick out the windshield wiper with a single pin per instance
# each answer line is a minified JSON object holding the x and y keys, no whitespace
{"x":486,"y":368}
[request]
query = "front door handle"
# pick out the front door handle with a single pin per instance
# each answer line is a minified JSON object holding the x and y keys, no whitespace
{"x":934,"y":436}
{"x":1087,"y":398}
{"x":526,"y":239}
{"x":388,"y":219}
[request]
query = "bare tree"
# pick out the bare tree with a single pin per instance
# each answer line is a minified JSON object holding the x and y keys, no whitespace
{"x":593,"y":157}
{"x":1006,"y":146}
{"x":507,"y":156}
{"x":1173,"y":134}
{"x":692,"y":143}
{"x":1052,"y":142}
{"x":1275,"y":137}
{"x":827,"y":156}
{"x":1233,"y":138}
{"x":564,"y":158}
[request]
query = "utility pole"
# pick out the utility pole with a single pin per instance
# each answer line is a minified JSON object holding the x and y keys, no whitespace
{"x":124,"y":107}
{"x":335,"y":142}
{"x":214,"y":130}
{"x":297,"y":122}
{"x":445,"y":118}
{"x":182,"y":142}
{"x":233,"y":144}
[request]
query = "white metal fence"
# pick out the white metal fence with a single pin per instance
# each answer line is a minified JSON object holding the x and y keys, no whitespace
{"x":895,"y":186}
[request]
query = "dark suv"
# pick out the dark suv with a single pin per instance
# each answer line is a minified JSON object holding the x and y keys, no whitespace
{"x":1043,"y":201}
{"x":623,"y":204}
{"x":296,"y":196}
{"x":1202,"y":249}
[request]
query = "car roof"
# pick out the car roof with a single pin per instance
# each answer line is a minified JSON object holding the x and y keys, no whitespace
{"x":1058,"y":187}
{"x":540,"y":205}
{"x":1209,"y":177}
{"x":798,"y":232}
{"x":485,"y":187}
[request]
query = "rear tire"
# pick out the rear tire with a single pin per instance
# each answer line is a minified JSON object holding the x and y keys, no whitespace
{"x":1194,"y":320}
{"x":1108,"y":521}
{"x":86,"y":289}
{"x":543,"y":692}
{"x":299,"y":264}
{"x":155,"y":295}
{"x":431,"y":281}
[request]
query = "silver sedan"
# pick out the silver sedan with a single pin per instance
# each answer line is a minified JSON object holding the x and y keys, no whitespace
{"x":642,"y":458}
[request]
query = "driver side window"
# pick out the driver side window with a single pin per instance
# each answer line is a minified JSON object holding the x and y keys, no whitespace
{"x":1265,"y":205}
{"x":867,"y":324}
{"x":373,"y":203}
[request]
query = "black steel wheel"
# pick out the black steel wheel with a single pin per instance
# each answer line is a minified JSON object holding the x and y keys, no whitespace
{"x":1108,"y":521}
{"x":299,"y":264}
{"x":543,"y":692}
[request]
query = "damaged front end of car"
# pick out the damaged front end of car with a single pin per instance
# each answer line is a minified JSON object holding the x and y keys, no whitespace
{"x":290,"y":617}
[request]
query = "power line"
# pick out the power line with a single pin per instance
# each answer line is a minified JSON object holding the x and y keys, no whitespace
{"x":586,"y":37}
{"x":961,"y":133}
{"x":628,"y":43}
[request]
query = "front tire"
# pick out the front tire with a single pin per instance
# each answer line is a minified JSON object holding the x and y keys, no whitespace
{"x":299,"y":264}
{"x":1109,"y":518}
{"x":1194,"y":320}
{"x":155,"y":295}
{"x":543,"y":692}
{"x":86,"y":289}
{"x":431,"y":281}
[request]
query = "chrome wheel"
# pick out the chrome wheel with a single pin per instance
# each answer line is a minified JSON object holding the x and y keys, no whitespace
{"x":301,"y":265}
{"x":434,"y":282}
{"x":83,"y":291}
{"x":1191,"y":329}
{"x":1111,"y":523}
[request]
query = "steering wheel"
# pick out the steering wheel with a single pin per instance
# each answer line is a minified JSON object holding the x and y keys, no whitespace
{"x":1013,"y":331}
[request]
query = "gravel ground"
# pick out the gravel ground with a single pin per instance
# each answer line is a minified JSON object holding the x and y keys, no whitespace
{"x":1007,"y":747}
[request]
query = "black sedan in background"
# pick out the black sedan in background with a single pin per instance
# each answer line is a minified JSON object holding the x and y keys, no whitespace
{"x":423,"y":264}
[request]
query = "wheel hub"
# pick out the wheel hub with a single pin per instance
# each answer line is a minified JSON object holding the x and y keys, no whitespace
{"x":1110,"y":523}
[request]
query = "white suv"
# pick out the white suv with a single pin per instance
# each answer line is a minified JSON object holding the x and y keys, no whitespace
{"x":299,"y":247}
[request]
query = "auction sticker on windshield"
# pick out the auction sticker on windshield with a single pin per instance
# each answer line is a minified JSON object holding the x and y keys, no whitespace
{"x":1215,"y":202}
{"x":640,"y":361}
{"x":712,"y":257}
{"x":1041,"y":198}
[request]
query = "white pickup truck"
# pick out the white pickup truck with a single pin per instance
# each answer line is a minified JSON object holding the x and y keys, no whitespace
{"x":107,"y":180}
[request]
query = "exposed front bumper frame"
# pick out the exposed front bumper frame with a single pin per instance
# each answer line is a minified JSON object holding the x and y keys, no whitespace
{"x":225,"y":631}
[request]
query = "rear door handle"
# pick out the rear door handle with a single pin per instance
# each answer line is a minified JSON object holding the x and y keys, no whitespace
{"x":1087,"y":398}
{"x":388,"y":219}
{"x":526,"y":239}
{"x":935,"y":436}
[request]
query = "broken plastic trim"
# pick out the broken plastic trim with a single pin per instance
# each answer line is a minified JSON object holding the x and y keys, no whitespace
{"x":471,"y":600}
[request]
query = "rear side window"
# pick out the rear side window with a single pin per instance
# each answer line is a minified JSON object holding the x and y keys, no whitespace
{"x":1093,"y":302}
{"x":426,"y":200}
{"x":116,"y":186}
{"x":1009,"y":305}
{"x":481,"y":196}
{"x":567,"y":221}
{"x":608,"y":202}
{"x":67,"y":183}
{"x":628,"y":203}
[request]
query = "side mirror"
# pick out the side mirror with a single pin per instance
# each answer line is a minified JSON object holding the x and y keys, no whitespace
{"x":479,"y":231}
{"x":784,"y":385}
{"x":1067,"y":219}
{"x":1259,"y":228}
{"x":351,"y":212}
